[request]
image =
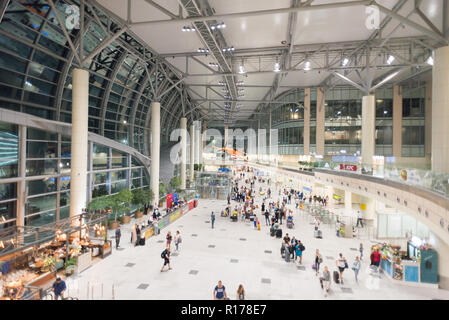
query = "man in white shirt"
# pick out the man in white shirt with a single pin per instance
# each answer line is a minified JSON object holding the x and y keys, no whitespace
{"x":359,"y":219}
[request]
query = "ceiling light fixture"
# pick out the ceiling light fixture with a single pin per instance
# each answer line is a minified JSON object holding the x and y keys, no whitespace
{"x":390,"y":59}
{"x":213,"y":64}
{"x":239,"y":83}
{"x":241,"y":69}
{"x":345,"y":62}
{"x":202,"y":50}
{"x":229,"y":49}
{"x":188,"y":29}
{"x":307,"y":66}
{"x":430,"y":61}
{"x":277,"y":67}
{"x":221,"y":25}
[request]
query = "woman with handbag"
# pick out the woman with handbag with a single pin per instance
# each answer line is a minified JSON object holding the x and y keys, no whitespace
{"x":318,"y":261}
{"x":342,"y":264}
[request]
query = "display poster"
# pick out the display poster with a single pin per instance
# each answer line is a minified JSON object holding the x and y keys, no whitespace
{"x":348,"y":167}
{"x":175,"y":198}
{"x":169,"y":200}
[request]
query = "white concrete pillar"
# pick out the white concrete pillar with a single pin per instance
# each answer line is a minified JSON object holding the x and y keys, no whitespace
{"x":368,"y":209}
{"x":155,"y":148}
{"x":428,"y":121}
{"x":329,"y":192}
{"x":183,"y":152}
{"x":307,"y":121}
{"x":397,"y":121}
{"x":368,"y":130}
{"x":348,"y":201}
{"x":440,"y":111}
{"x":192,"y":152}
{"x":80,"y":118}
{"x":197,"y":141}
{"x":21,"y":184}
{"x":320,"y":121}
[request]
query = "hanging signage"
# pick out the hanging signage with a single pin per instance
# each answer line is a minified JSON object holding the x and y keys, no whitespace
{"x":348,"y":167}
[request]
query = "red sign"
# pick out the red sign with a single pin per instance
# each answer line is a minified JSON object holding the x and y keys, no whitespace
{"x":191,"y":205}
{"x":169,"y":200}
{"x":348,"y":167}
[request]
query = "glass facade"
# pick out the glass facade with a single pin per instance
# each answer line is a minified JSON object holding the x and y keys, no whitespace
{"x":48,"y":198}
{"x":36,"y":65}
{"x":36,"y":75}
{"x":343,"y":121}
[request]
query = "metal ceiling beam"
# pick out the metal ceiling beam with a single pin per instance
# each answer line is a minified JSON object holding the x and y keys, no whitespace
{"x":3,"y":5}
{"x":344,"y":45}
{"x":161,"y":9}
{"x":254,"y":13}
{"x":412,"y":24}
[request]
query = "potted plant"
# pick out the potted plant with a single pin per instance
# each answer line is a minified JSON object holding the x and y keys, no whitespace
{"x":98,"y":203}
{"x":70,"y":266}
{"x":149,"y":196}
{"x":162,"y":193}
{"x":120,"y":202}
{"x":49,"y":264}
{"x":138,"y":200}
{"x":175,"y":183}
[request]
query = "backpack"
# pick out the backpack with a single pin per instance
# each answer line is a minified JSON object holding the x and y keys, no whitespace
{"x":302,"y":248}
{"x":163,"y":254}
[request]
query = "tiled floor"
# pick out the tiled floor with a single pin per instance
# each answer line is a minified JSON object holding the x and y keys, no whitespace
{"x":256,"y":263}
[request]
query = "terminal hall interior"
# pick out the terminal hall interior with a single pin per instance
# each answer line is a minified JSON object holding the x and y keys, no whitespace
{"x":224,"y":149}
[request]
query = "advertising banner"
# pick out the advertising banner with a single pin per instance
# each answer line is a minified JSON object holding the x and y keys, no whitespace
{"x":169,"y":200}
{"x":175,"y":198}
{"x":348,"y":167}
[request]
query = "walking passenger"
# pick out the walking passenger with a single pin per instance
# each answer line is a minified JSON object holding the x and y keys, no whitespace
{"x":318,"y":261}
{"x":326,"y":280}
{"x":342,"y":265}
{"x":356,"y":267}
{"x":212,"y":219}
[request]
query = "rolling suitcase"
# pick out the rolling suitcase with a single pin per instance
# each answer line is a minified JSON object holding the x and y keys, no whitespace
{"x":272,"y":232}
{"x":336,"y":277}
{"x":142,"y":242}
{"x":279,"y":233}
{"x":318,"y":234}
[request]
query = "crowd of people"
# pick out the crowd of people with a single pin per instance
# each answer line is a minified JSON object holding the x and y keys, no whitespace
{"x":275,"y":212}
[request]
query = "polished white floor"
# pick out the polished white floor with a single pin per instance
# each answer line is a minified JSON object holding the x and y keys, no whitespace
{"x":134,"y":272}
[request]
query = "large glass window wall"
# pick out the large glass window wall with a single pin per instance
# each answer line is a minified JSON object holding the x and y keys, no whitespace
{"x":48,"y":154}
{"x":35,"y":76}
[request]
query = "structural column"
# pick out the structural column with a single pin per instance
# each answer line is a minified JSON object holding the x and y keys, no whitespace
{"x":80,"y":114}
{"x":192,"y":152}
{"x":320,"y":121}
{"x":440,"y":111}
{"x":21,"y":185}
{"x":307,"y":121}
{"x":397,"y":121}
{"x":428,"y":121}
{"x":368,"y":130}
{"x":197,"y":142}
{"x":368,"y":207}
{"x":183,"y":152}
{"x":155,"y":148}
{"x":348,"y":201}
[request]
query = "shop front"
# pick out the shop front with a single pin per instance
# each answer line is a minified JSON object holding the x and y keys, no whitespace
{"x":34,"y":257}
{"x":416,"y":265}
